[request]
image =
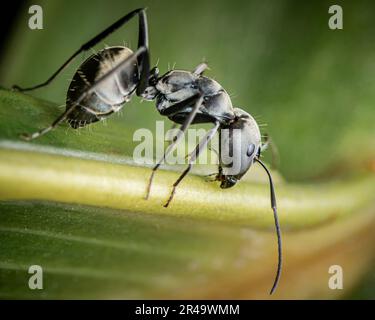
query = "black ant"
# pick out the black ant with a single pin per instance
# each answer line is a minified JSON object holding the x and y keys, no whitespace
{"x":108,"y":79}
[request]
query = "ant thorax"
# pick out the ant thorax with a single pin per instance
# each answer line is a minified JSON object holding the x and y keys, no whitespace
{"x":179,"y":85}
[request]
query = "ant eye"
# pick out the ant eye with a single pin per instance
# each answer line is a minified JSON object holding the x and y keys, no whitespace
{"x":193,"y":86}
{"x":206,"y":98}
{"x":250,"y":149}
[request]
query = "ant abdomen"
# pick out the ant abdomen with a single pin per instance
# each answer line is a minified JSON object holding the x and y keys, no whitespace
{"x":112,"y":93}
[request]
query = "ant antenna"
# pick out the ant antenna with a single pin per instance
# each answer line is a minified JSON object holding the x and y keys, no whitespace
{"x":278,"y":232}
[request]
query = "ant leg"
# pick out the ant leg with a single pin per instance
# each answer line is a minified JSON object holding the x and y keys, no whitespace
{"x":60,"y":119}
{"x":90,"y":90}
{"x":268,"y":143}
{"x":144,"y":59}
{"x":143,"y":41}
{"x":200,"y":68}
{"x":170,"y":135}
{"x":216,"y":176}
{"x":194,"y":155}
{"x":178,"y":137}
{"x":212,"y":177}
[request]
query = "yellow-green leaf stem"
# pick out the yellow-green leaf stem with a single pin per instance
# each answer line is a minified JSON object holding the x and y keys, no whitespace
{"x":33,"y":175}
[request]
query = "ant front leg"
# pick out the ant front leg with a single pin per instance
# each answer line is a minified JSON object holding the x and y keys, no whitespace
{"x":212,"y":177}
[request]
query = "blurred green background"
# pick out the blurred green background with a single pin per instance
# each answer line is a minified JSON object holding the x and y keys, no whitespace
{"x":313,"y":87}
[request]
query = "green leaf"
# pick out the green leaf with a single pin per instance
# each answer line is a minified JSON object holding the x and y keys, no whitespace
{"x":74,"y":205}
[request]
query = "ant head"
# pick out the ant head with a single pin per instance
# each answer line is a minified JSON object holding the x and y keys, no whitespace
{"x":239,"y":146}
